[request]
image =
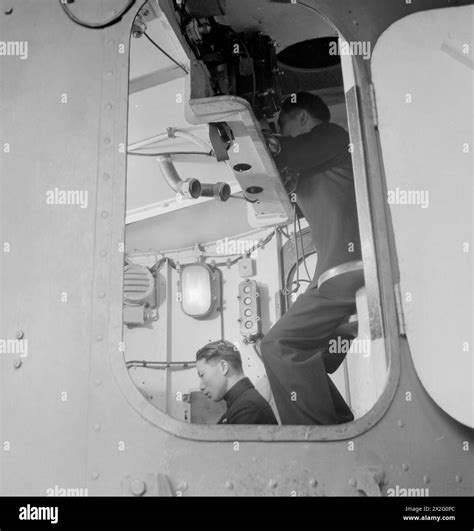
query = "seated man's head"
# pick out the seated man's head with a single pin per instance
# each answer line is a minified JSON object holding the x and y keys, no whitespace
{"x":219,"y":367}
{"x":301,"y":112}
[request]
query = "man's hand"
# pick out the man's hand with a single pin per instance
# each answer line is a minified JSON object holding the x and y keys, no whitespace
{"x":272,"y":140}
{"x":264,"y":125}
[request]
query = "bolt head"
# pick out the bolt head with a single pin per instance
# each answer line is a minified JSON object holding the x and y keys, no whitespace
{"x":17,"y":364}
{"x":138,"y":487}
{"x":20,"y":334}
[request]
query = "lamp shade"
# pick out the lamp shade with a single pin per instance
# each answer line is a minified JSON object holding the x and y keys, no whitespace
{"x":197,"y":290}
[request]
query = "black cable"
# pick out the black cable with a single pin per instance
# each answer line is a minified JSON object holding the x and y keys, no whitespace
{"x":96,"y":25}
{"x":207,"y":153}
{"x":284,"y":232}
{"x":295,"y":239}
{"x":161,"y":364}
{"x":254,"y":75}
{"x":164,"y":52}
{"x":286,"y":290}
{"x":257,"y":351}
{"x":302,"y":250}
{"x":244,"y":197}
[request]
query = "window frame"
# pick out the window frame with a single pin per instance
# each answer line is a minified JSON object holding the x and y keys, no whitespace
{"x":380,"y":269}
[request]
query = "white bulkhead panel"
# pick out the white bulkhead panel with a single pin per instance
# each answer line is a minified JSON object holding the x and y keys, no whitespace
{"x":423,"y":73}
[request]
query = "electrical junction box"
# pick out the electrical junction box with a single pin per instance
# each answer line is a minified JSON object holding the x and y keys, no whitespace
{"x":246,"y":267}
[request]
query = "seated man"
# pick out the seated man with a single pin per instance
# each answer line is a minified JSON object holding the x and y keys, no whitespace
{"x":295,"y":351}
{"x":219,"y":368}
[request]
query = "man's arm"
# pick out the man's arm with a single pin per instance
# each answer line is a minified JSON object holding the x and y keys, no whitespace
{"x":322,"y":148}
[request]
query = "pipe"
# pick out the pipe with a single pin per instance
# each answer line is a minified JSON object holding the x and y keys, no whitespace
{"x":164,"y":136}
{"x":220,"y":190}
{"x":151,"y":140}
{"x":193,"y":138}
{"x":190,"y":188}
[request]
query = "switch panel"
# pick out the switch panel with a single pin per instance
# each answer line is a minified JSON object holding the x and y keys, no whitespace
{"x":249,"y":310}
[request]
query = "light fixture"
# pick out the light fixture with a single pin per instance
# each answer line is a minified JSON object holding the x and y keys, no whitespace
{"x":199,"y":286}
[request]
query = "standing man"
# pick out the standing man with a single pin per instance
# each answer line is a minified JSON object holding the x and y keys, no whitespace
{"x":295,"y":349}
{"x":219,"y":367}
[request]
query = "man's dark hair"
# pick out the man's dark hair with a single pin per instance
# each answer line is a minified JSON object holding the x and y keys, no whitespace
{"x":314,"y":105}
{"x":221,"y":350}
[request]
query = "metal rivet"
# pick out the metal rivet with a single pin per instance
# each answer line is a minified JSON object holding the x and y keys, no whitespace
{"x":229,"y":485}
{"x":101,"y":294}
{"x":426,"y":480}
{"x":20,"y":334}
{"x":95,"y":475}
{"x":272,"y":484}
{"x":105,"y":214}
{"x":352,"y":482}
{"x":17,"y":364}
{"x":103,"y":254}
{"x":109,"y":73}
{"x":107,"y":140}
{"x":138,"y":487}
{"x":400,"y":423}
{"x":98,"y":382}
{"x":405,"y":467}
{"x":458,"y":478}
{"x":313,"y":482}
{"x":96,"y":427}
{"x":108,"y":106}
{"x":106,"y":176}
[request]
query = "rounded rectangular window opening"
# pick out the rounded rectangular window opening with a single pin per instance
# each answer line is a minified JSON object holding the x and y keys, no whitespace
{"x":170,"y":226}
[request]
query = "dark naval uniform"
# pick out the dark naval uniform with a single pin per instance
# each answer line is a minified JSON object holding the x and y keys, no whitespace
{"x":245,"y":405}
{"x":294,"y":349}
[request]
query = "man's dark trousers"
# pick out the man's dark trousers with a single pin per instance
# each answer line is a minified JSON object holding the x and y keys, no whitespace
{"x":293,"y":352}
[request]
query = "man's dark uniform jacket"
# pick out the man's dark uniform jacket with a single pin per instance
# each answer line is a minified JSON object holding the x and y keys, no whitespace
{"x":245,"y":405}
{"x":325,"y":191}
